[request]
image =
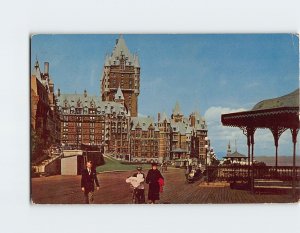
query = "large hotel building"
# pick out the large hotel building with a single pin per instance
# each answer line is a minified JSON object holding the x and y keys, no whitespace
{"x":111,"y":120}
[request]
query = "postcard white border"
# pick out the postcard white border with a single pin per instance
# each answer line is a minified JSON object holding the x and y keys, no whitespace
{"x":19,"y":19}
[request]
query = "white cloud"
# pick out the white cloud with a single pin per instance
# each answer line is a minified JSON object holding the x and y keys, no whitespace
{"x":219,"y":134}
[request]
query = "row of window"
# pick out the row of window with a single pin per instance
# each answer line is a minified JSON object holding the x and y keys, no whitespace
{"x":149,"y":155}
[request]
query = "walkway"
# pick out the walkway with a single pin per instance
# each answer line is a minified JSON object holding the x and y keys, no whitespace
{"x":114,"y":190}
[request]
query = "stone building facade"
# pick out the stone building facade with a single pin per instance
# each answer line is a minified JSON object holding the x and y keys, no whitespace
{"x":144,"y":140}
{"x":111,"y":122}
{"x":187,"y":135}
{"x":45,"y":120}
{"x":87,"y":120}
{"x":122,"y":69}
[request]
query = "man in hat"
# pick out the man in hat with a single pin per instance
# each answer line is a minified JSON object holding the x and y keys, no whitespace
{"x":152,"y":179}
{"x":140,"y":189}
{"x":88,"y":178}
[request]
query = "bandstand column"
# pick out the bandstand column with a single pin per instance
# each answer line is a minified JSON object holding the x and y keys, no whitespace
{"x":248,"y":144}
{"x":294,"y":132}
{"x":277,"y":131}
{"x":252,"y":164}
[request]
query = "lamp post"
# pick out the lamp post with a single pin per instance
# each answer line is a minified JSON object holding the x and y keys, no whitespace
{"x":206,"y":151}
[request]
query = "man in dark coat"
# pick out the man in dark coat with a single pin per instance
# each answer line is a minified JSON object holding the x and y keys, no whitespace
{"x":88,"y":178}
{"x":152,"y":179}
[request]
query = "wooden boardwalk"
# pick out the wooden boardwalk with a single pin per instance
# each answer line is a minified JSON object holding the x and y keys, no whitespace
{"x":114,"y":190}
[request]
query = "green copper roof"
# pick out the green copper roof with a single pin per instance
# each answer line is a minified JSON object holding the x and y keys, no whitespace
{"x":289,"y":100}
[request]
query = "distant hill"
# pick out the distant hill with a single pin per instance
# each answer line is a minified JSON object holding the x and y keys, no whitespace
{"x":270,"y":160}
{"x":282,"y":160}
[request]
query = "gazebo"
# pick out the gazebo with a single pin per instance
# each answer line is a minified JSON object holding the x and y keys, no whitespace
{"x":277,"y":115}
{"x":235,"y":157}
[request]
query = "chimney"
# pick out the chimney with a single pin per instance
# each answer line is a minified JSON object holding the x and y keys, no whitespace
{"x":158,"y":116}
{"x":58,"y":92}
{"x":46,"y":67}
{"x":193,"y":119}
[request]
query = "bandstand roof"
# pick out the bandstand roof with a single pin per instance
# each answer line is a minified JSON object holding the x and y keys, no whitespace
{"x":278,"y":112}
{"x":235,"y":155}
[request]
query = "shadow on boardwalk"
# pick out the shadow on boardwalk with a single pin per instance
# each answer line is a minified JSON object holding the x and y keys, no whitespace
{"x":114,"y":190}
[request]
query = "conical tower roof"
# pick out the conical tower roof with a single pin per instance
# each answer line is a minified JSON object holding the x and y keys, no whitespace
{"x":121,"y":49}
{"x":136,"y":62}
{"x":176,"y":110}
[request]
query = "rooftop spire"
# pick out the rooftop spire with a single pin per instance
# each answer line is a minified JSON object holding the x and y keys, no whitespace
{"x":119,"y":95}
{"x":107,"y":60}
{"x":136,"y":62}
{"x":36,"y":70}
{"x":176,"y":110}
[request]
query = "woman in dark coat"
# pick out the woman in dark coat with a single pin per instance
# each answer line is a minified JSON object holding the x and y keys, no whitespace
{"x":152,"y":179}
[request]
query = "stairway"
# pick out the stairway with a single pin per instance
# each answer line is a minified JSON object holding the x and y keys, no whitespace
{"x":273,"y":186}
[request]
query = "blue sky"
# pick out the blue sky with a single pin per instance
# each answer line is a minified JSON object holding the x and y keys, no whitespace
{"x":213,"y":74}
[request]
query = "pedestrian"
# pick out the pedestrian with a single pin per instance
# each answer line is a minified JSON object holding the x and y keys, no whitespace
{"x":162,"y":167}
{"x":152,"y":179}
{"x":140,"y":190}
{"x":187,"y":171}
{"x":88,"y":178}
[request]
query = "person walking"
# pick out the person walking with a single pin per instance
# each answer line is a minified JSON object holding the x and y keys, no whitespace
{"x":152,"y":179}
{"x":88,"y":178}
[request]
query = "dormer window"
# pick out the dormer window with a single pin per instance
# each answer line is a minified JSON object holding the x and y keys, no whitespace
{"x":85,"y":111}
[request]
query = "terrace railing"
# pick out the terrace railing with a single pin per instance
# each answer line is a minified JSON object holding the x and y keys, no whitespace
{"x":243,"y":172}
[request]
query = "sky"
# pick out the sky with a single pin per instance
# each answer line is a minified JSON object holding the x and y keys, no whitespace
{"x":209,"y":73}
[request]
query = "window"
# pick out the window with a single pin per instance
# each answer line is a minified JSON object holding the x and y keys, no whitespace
{"x":78,"y":111}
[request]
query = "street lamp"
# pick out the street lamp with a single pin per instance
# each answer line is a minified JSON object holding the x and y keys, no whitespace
{"x":206,"y":151}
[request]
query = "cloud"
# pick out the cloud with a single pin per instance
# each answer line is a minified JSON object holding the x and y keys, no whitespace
{"x":219,"y":134}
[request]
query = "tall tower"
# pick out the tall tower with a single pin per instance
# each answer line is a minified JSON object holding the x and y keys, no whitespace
{"x":122,"y":69}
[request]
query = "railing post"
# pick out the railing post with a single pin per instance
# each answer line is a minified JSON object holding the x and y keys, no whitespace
{"x":252,"y":165}
{"x":294,"y":132}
